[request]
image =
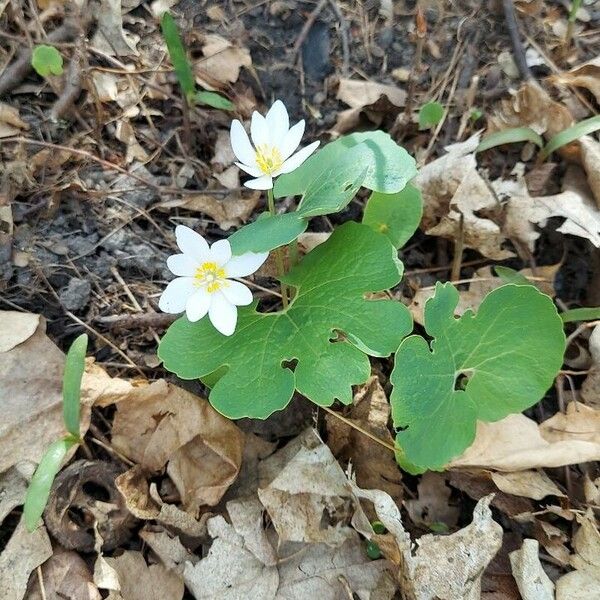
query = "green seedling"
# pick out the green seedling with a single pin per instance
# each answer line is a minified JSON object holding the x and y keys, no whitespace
{"x":47,"y":60}
{"x":430,"y":115}
{"x":514,"y":135}
{"x":41,"y":482}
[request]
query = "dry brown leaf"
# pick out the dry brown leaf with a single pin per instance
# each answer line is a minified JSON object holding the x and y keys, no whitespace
{"x":162,"y":424}
{"x":432,"y":506}
{"x":590,"y":157}
{"x":586,"y":76}
{"x":517,"y":443}
{"x":449,"y":566}
{"x":301,"y":486}
{"x":229,"y":211}
{"x":10,"y":121}
{"x":31,"y":396}
{"x":16,"y":327}
{"x":527,"y":484}
{"x":139,"y":581}
{"x":584,"y":582}
{"x":13,"y":487}
{"x":533,"y":582}
{"x":66,"y":576}
{"x":110,"y":37}
{"x":590,"y":389}
{"x":23,"y":553}
{"x":169,"y":549}
{"x":124,"y":133}
{"x":221,"y":63}
{"x":311,"y":239}
{"x":373,"y":464}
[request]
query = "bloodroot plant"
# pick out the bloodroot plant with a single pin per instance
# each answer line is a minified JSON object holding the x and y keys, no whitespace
{"x":336,"y":310}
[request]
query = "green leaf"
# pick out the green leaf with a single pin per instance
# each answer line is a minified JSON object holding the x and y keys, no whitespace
{"x":268,"y":232}
{"x":74,"y":367}
{"x":509,"y":275}
{"x":47,"y":60}
{"x":178,"y":56}
{"x":388,"y":166}
{"x":581,"y":314}
{"x":395,"y":215}
{"x":213,"y":99}
{"x":482,"y":366}
{"x":329,"y":328}
{"x":510,"y":136}
{"x":430,"y":114}
{"x":41,"y":482}
{"x":571,"y":134}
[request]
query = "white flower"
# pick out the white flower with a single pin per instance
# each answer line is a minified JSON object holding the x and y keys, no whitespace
{"x":204,"y":283}
{"x":274,"y":144}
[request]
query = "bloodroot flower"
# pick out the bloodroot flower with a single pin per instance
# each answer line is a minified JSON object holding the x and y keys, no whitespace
{"x":271,"y":151}
{"x":204,"y":281}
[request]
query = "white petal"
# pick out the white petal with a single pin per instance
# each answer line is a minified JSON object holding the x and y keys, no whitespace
{"x":250,"y":169}
{"x":176,"y":294}
{"x":294,"y":161}
{"x":222,"y":314}
{"x":191,"y":243}
{"x":182,"y":264}
{"x":197,"y":305}
{"x":292,"y":140}
{"x":259,"y":130}
{"x":237,"y":293}
{"x":261,"y":183}
{"x":245,"y":264}
{"x":278,"y":122}
{"x":240,"y":142}
{"x":220,"y":252}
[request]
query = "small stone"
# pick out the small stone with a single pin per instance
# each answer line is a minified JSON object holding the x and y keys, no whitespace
{"x":401,"y":74}
{"x":76,"y":295}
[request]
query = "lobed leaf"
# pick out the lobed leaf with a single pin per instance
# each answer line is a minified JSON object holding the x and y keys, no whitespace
{"x":74,"y":367}
{"x":178,"y":56}
{"x":326,"y":332}
{"x":478,"y":367}
{"x":47,"y":60}
{"x":41,"y":482}
{"x":396,"y":216}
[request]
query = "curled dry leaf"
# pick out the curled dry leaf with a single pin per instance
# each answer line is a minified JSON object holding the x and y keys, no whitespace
{"x":305,"y":492}
{"x":527,"y":484}
{"x":374,"y":465}
{"x":590,"y":157}
{"x":169,"y":549}
{"x":221,"y":62}
{"x":31,"y":373}
{"x":532,"y":580}
{"x":586,"y":76}
{"x":517,"y":443}
{"x":590,"y":389}
{"x":10,"y":121}
{"x":448,"y":567}
{"x":110,"y":37}
{"x":432,"y":508}
{"x":23,"y":553}
{"x":161,"y":424}
{"x":66,"y":576}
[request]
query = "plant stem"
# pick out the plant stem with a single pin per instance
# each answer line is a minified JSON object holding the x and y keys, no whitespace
{"x":575,"y":6}
{"x":278,"y":254}
{"x":359,"y":428}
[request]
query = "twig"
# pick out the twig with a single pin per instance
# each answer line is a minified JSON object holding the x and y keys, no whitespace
{"x":416,"y":66}
{"x":344,"y":36}
{"x":40,"y":577}
{"x":72,"y":86}
{"x":515,"y":37}
{"x":304,"y":31}
{"x":21,"y":67}
{"x":458,"y":250}
{"x":139,"y":320}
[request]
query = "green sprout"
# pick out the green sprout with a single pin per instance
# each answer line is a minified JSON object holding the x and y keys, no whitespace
{"x":41,"y":482}
{"x":47,"y":60}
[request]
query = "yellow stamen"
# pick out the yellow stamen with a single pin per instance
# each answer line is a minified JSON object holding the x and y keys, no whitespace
{"x":210,"y":275}
{"x":268,"y":158}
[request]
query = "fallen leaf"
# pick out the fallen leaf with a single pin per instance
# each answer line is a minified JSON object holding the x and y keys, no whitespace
{"x":166,"y":425}
{"x":517,"y":443}
{"x":305,"y":492}
{"x":31,"y":374}
{"x":590,"y":389}
{"x":432,"y":507}
{"x":584,"y":582}
{"x":139,"y":581}
{"x":23,"y":553}
{"x":528,"y":484}
{"x":10,"y":121}
{"x":228,"y":211}
{"x":221,"y":62}
{"x":449,"y":566}
{"x":110,"y":37}
{"x":13,"y":486}
{"x":590,"y":157}
{"x":66,"y":576}
{"x":532,"y":580}
{"x":16,"y":327}
{"x":124,"y":133}
{"x":169,"y":549}
{"x":373,"y":464}
{"x":586,"y":75}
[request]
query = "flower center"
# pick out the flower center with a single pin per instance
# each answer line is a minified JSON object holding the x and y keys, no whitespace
{"x":211,"y":276}
{"x":268,"y":158}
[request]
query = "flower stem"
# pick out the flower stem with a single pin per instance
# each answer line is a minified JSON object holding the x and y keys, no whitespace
{"x":278,"y":254}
